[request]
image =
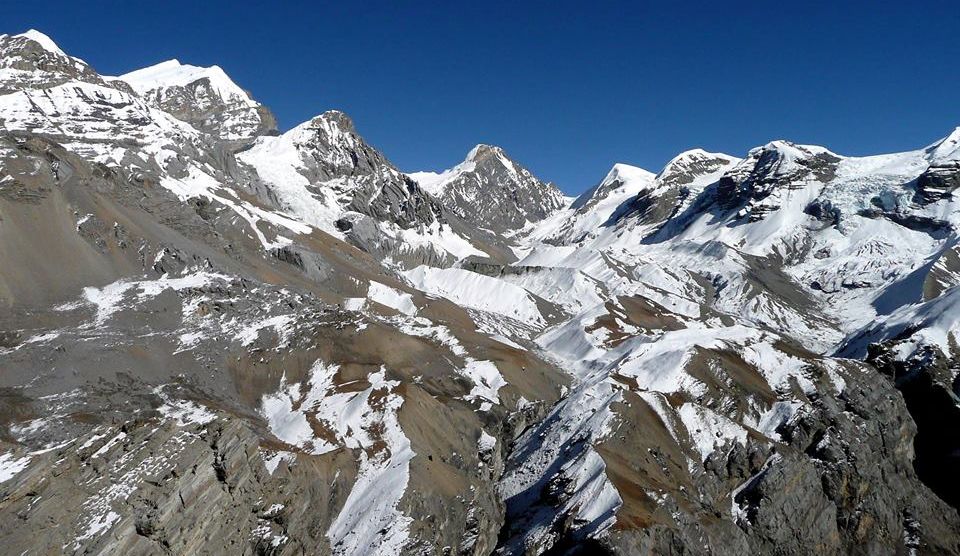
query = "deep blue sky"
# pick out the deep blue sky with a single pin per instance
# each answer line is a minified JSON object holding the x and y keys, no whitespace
{"x":567,"y":88}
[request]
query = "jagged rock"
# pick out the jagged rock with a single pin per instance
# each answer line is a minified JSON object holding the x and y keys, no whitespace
{"x":491,"y":190}
{"x":937,"y":183}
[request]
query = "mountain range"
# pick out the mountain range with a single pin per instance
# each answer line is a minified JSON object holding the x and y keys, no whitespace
{"x":220,"y":338}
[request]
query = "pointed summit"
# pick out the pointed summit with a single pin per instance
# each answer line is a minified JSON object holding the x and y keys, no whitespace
{"x":621,"y":182}
{"x":43,"y":40}
{"x":340,"y":120}
{"x":491,"y":190}
{"x":38,"y":63}
{"x":694,"y":166}
{"x":482,"y":151}
{"x":172,"y":73}
{"x":204,"y":97}
{"x":946,"y":150}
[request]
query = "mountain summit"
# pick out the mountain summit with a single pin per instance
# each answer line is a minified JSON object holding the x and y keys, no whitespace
{"x":203,"y":97}
{"x":493,"y":191}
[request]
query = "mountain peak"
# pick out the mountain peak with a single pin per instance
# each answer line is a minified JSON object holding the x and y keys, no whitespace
{"x":692,"y":166}
{"x":38,"y":63}
{"x":482,"y":151}
{"x":489,"y":188}
{"x":205,"y":97}
{"x":172,"y":73}
{"x":337,"y":118}
{"x":791,"y":150}
{"x":945,"y":150}
{"x":43,"y":40}
{"x":626,"y":172}
{"x":626,"y":179}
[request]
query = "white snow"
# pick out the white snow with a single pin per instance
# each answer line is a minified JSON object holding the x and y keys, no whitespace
{"x":392,"y":297}
{"x":98,"y":525}
{"x":109,"y":444}
{"x":278,"y":162}
{"x":106,"y":299}
{"x":288,"y":424}
{"x":370,"y":521}
{"x":109,"y":299}
{"x":186,"y":412}
{"x":486,"y":443}
{"x":487,"y":380}
{"x":11,"y":466}
{"x":477,"y":291}
{"x":174,"y":74}
{"x":281,"y":325}
{"x":44,"y":41}
{"x":937,"y":323}
{"x":273,"y":460}
{"x":709,"y":430}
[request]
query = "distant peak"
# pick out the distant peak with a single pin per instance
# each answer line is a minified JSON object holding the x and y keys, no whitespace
{"x":778,"y":144}
{"x":172,"y":63}
{"x":695,"y":156}
{"x":165,"y":73}
{"x":482,"y":151}
{"x":946,"y":149}
{"x":340,"y":119}
{"x":172,"y":73}
{"x":43,"y":40}
{"x":698,"y":154}
{"x":788,"y":150}
{"x":626,"y":172}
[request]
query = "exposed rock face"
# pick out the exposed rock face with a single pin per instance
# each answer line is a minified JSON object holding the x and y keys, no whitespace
{"x":938,"y":182}
{"x":331,"y":149}
{"x":214,"y":349}
{"x":324,"y":172}
{"x":757,"y":182}
{"x":205,"y":98}
{"x":493,"y":191}
{"x":32,"y":61}
{"x":681,"y":181}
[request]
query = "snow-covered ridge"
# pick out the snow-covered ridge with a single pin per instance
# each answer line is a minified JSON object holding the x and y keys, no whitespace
{"x":933,"y":323}
{"x":624,"y":173}
{"x":43,"y":40}
{"x":592,"y":209}
{"x":694,"y":166}
{"x":435,"y":182}
{"x":204,"y":97}
{"x":494,"y":192}
{"x":174,"y":74}
{"x":947,"y":150}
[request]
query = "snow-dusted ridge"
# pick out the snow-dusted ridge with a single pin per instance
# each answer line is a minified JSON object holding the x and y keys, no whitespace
{"x":493,"y":191}
{"x":44,"y":41}
{"x":172,"y":73}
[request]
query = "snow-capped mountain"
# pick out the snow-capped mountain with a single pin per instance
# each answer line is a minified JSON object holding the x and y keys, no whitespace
{"x":31,"y":60}
{"x":217,"y":338}
{"x":324,"y":172}
{"x":492,"y":191}
{"x":203,"y":97}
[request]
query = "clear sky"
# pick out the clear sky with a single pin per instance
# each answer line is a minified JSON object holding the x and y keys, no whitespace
{"x":567,"y":88}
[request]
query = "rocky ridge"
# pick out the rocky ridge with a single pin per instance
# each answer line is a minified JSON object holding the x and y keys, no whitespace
{"x":492,"y":191}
